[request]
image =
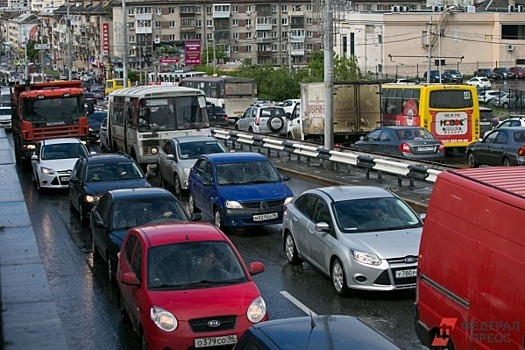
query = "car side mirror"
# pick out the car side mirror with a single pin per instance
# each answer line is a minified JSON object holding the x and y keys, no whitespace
{"x":171,"y":157}
{"x":130,"y":278}
{"x":322,"y":227}
{"x":362,"y":138}
{"x":34,"y":157}
{"x":256,"y":268}
{"x":422,"y":216}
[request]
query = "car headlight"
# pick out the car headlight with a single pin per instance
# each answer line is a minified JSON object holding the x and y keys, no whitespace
{"x":45,"y":170}
{"x":91,"y":199}
{"x":288,"y":200}
{"x":154,"y":150}
{"x":90,"y":129}
{"x":233,"y":205}
{"x":366,"y":258}
{"x":163,"y":319}
{"x":187,"y":171}
{"x":257,"y":310}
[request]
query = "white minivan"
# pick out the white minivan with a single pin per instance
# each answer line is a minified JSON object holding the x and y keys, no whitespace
{"x":5,"y":118}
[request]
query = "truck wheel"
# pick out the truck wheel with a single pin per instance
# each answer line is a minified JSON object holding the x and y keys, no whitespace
{"x":275,"y":123}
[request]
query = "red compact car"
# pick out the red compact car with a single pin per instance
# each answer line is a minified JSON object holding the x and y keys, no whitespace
{"x":184,"y":285}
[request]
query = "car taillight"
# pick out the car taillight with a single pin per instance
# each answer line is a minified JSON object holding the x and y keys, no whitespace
{"x":257,"y":120}
{"x":226,"y":117}
{"x":441,"y":147}
{"x":521,"y":151}
{"x":404,"y":147}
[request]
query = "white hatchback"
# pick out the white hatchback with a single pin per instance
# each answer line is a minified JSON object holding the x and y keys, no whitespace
{"x":53,"y":161}
{"x":480,"y":82}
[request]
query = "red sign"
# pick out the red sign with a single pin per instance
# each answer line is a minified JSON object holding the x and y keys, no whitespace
{"x":105,"y":39}
{"x":192,"y":52}
{"x":168,"y":60}
{"x":32,"y":33}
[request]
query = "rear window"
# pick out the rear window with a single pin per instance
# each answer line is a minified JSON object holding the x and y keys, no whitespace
{"x":451,"y":99}
{"x":272,"y":111}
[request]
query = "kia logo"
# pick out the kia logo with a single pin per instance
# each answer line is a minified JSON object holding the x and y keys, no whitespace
{"x":214,"y":323}
{"x":410,"y":259}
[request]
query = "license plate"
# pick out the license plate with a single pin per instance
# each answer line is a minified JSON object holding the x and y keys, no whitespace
{"x":264,"y":217}
{"x":64,"y":178}
{"x":406,"y":273}
{"x":215,"y":341}
{"x":423,"y":149}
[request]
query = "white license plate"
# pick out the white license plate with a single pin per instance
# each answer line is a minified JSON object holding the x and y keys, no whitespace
{"x":64,"y":178}
{"x":406,"y":273}
{"x":264,"y":217}
{"x":423,"y":149}
{"x":215,"y":341}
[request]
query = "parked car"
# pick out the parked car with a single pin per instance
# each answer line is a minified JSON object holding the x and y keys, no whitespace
{"x":487,"y":73}
{"x":104,"y":138}
{"x":480,"y":82}
{"x":361,"y":237}
{"x":436,"y":77}
{"x":314,"y":332}
{"x":178,"y":155}
{"x":217,"y":116}
{"x":185,"y":286}
{"x":504,"y":72}
{"x":406,"y":81}
{"x":454,"y":75}
{"x":89,"y":97}
{"x":507,"y":123}
{"x":411,"y":142}
{"x":485,"y":95}
{"x":518,"y":71}
{"x":53,"y":161}
{"x":5,"y":118}
{"x":98,"y":91}
{"x":119,"y":210}
{"x":505,"y":101}
{"x":502,"y":146}
{"x":95,"y":121}
{"x":238,"y":190}
{"x":487,"y":120}
{"x":94,"y":175}
{"x":263,"y":119}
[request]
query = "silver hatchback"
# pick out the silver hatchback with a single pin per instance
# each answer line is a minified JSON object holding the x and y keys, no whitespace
{"x":263,"y":119}
{"x":362,"y":237}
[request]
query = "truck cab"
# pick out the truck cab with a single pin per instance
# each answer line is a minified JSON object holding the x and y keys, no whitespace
{"x":294,"y":128}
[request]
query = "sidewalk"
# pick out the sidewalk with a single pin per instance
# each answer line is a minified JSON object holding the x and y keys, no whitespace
{"x":29,"y":317}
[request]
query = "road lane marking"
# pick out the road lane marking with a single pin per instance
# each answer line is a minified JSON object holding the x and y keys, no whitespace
{"x":297,"y":303}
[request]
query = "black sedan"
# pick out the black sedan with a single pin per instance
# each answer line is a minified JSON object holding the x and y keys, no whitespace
{"x":121,"y":209}
{"x":217,"y":116}
{"x":95,"y":120}
{"x":313,"y":333}
{"x":501,"y":146}
{"x":412,"y":142}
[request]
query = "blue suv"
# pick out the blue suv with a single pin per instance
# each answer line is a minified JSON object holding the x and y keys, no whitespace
{"x":238,"y":190}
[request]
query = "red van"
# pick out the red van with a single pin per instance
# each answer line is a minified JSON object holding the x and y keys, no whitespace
{"x":471,"y":282}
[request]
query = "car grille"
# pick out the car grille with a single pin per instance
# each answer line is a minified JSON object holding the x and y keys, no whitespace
{"x":260,"y":204}
{"x":384,"y":277}
{"x":201,"y":324}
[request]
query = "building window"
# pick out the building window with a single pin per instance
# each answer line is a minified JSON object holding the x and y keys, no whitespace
{"x":309,"y":8}
{"x":235,"y":8}
{"x":171,"y":10}
{"x":209,"y":23}
{"x":284,"y":48}
{"x":308,"y":21}
{"x":235,"y":48}
{"x":171,"y":37}
{"x":158,"y":24}
{"x":171,"y":24}
{"x":158,"y":11}
{"x":248,"y":48}
{"x":249,"y":8}
{"x":284,"y":8}
{"x":235,"y":36}
{"x":274,"y":48}
{"x":209,"y":10}
{"x":235,"y":22}
{"x":198,"y":23}
{"x":274,"y":9}
{"x":284,"y":21}
{"x":131,"y":11}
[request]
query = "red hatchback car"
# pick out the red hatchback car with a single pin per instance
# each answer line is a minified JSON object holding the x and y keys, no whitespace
{"x":185,"y":286}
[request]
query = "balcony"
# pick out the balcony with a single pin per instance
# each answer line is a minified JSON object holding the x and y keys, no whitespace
{"x":263,"y":23}
{"x":265,"y":40}
{"x":188,"y":28}
{"x":221,"y":11}
{"x":296,"y":11}
{"x":265,"y":53}
{"x":297,"y":52}
{"x":187,"y":11}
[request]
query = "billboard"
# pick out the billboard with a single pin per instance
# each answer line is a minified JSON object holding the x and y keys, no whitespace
{"x":192,"y":52}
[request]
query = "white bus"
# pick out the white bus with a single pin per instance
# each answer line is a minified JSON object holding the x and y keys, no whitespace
{"x":141,"y":118}
{"x":233,"y":94}
{"x":171,"y":78}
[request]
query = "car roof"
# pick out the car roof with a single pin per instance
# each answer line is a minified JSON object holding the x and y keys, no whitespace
{"x":339,"y":193}
{"x":61,"y":140}
{"x":512,"y":128}
{"x":323,"y":332}
{"x":234,"y":157}
{"x":141,"y":192}
{"x":194,"y":138}
{"x":108,"y":158}
{"x":166,"y":233}
{"x":401,"y":127}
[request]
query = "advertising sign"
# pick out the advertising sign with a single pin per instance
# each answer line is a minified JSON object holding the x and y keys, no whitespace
{"x":192,"y":52}
{"x":105,"y":39}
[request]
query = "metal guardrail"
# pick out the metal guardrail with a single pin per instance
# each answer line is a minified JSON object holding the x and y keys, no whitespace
{"x":412,"y":171}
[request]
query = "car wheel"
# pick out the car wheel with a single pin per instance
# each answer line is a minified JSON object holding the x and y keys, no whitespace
{"x":506,"y":162}
{"x":275,"y":124}
{"x":337,"y":274}
{"x":217,"y":220}
{"x":191,"y":204}
{"x":505,"y":105}
{"x":472,"y":162}
{"x":291,"y":250}
{"x":177,"y":186}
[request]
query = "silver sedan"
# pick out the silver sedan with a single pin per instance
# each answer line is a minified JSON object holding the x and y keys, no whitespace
{"x":362,"y":237}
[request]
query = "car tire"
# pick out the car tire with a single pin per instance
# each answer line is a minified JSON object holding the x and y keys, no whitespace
{"x":191,"y":205}
{"x":217,"y":219}
{"x":291,"y":250}
{"x":505,"y":105}
{"x":337,"y":276}
{"x":471,"y":160}
{"x":177,"y":187}
{"x":506,"y":162}
{"x":275,"y":124}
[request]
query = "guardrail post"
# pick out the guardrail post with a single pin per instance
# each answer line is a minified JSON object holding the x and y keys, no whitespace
{"x":367,"y":163}
{"x":416,"y":172}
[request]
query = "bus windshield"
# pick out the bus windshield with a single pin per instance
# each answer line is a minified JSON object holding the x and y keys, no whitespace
{"x":173,"y":113}
{"x":53,"y":109}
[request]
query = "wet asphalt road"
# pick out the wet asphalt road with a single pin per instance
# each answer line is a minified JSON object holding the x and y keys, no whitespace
{"x":87,"y":303}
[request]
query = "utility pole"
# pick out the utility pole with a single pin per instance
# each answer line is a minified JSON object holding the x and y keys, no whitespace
{"x":42,"y":52}
{"x":125,"y":55}
{"x":328,"y":76}
{"x":69,"y":53}
{"x":429,"y":49}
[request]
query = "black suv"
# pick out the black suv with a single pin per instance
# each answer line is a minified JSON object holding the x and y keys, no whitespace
{"x":487,"y":72}
{"x":435,"y":78}
{"x":94,"y":175}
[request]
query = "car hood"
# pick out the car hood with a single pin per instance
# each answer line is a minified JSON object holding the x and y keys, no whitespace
{"x":104,"y":186}
{"x":203,"y":302}
{"x":256,"y":192}
{"x":59,"y":164}
{"x":386,"y":244}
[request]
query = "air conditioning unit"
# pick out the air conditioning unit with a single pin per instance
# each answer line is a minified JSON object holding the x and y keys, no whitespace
{"x":510,"y":47}
{"x":308,"y":51}
{"x":248,"y":13}
{"x":157,"y":40}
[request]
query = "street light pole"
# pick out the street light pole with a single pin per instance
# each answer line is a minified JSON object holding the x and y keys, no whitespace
{"x":69,"y":53}
{"x":125,"y":54}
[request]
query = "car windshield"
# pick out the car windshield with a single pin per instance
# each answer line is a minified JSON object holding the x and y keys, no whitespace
{"x":374,"y":214}
{"x":192,"y":150}
{"x":191,"y":265}
{"x":246,"y":173}
{"x":63,"y":151}
{"x":97,"y":116}
{"x":127,"y":214}
{"x":113,"y":172}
